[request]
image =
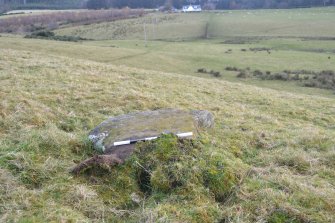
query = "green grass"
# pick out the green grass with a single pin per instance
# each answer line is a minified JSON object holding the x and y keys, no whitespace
{"x":158,"y":26}
{"x":275,"y":139}
{"x":315,"y":22}
{"x":187,"y":57}
{"x":258,"y":126}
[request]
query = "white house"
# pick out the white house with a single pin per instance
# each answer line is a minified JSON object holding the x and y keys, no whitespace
{"x":191,"y":8}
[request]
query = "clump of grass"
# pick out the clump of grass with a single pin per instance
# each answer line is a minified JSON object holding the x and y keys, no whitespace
{"x":31,"y":175}
{"x":173,"y":166}
{"x":329,"y":160}
{"x":281,"y":216}
{"x":298,"y":163}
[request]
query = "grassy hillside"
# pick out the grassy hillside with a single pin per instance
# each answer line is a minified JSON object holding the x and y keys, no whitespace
{"x":187,"y":57}
{"x":316,"y":22}
{"x":48,"y":103}
{"x":269,"y":158}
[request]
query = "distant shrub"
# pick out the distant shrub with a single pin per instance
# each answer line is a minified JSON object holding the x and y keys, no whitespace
{"x":259,"y":49}
{"x":242,"y":74}
{"x":234,"y":41}
{"x":217,"y":74}
{"x":69,"y":38}
{"x":324,"y":79}
{"x":231,"y":69}
{"x":327,"y":73}
{"x":311,"y":84}
{"x":257,"y":73}
{"x":243,"y":50}
{"x":242,"y":40}
{"x":212,"y":72}
{"x":202,"y":70}
{"x":296,"y":77}
{"x":281,"y":76}
{"x":299,"y":72}
{"x":51,"y":36}
{"x":46,"y":34}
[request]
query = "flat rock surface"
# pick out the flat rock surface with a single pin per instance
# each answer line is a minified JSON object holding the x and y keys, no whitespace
{"x":139,"y":125}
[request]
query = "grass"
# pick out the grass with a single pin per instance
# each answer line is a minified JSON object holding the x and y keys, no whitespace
{"x":184,"y":57}
{"x":158,"y":26}
{"x":315,"y":22}
{"x":274,"y":140}
{"x":256,"y":126}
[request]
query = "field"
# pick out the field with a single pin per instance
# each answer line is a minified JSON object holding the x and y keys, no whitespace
{"x":275,"y":137}
{"x":254,"y":23}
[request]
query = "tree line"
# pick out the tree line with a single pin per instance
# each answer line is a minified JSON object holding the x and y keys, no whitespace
{"x":206,"y":4}
{"x":38,"y":23}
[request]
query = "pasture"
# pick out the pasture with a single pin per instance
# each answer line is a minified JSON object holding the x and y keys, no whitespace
{"x":316,"y":22}
{"x":275,"y":137}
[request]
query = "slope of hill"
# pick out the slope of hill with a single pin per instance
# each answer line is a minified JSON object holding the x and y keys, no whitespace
{"x":269,"y":158}
{"x":314,"y":22}
{"x":187,"y":57}
{"x":281,"y":144}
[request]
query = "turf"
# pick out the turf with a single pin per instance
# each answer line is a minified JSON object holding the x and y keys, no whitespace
{"x":275,"y":139}
{"x":49,"y":103}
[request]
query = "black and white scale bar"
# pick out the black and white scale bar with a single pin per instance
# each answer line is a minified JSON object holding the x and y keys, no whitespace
{"x":127,"y":142}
